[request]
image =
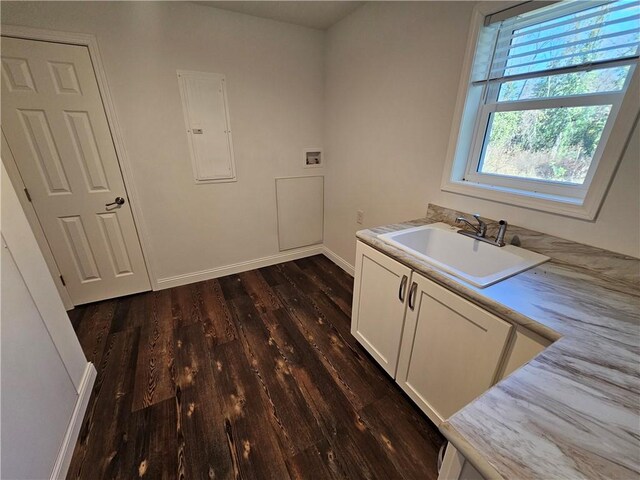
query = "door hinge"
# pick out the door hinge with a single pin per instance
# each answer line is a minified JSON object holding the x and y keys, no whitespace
{"x":62,"y":280}
{"x":26,"y":192}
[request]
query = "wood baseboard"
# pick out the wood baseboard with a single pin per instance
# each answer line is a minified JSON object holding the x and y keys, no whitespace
{"x":61,"y":466}
{"x":202,"y":275}
{"x":338,"y":260}
{"x":184,"y":279}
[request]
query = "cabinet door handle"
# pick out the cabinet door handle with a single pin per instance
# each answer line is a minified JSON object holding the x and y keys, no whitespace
{"x":403,"y":288}
{"x":412,"y":295}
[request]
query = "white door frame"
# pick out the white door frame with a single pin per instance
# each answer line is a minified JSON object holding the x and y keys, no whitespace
{"x":88,"y":40}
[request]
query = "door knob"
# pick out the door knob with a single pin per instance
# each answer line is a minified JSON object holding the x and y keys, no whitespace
{"x":119,"y":201}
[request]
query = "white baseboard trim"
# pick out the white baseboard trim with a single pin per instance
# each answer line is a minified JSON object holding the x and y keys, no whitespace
{"x":61,"y":466}
{"x":338,"y":260}
{"x":186,"y":278}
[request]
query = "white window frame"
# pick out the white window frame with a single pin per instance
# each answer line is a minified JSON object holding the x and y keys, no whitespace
{"x":469,"y":126}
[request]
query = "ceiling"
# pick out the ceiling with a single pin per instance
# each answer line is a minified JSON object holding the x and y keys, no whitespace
{"x":313,"y":14}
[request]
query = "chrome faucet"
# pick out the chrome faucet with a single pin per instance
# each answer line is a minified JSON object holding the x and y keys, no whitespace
{"x":501,"y":233}
{"x":480,"y":231}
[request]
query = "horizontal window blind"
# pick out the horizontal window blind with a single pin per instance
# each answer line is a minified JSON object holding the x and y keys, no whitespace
{"x":565,"y":36}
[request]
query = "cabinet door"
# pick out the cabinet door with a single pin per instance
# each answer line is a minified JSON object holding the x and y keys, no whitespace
{"x":451,"y":349}
{"x":379,"y":301}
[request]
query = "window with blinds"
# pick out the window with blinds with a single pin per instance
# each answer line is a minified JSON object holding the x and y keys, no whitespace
{"x":546,"y":85}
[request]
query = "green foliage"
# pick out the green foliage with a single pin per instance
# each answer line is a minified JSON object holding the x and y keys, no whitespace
{"x":559,"y":142}
{"x":552,"y":144}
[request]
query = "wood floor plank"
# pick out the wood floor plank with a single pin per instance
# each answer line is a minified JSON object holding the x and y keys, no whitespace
{"x":278,"y":323}
{"x":297,"y":278}
{"x":76,"y":315}
{"x":202,"y":439}
{"x":305,"y":263}
{"x":153,"y":436}
{"x":317,"y":462}
{"x":331,"y":283}
{"x":272,"y":275}
{"x":252,"y":442}
{"x":335,"y":315}
{"x":372,"y":374}
{"x":337,"y":273}
{"x":316,"y":380}
{"x":186,"y":305}
{"x":361,"y":383}
{"x":260,"y":291}
{"x":155,"y":373}
{"x":291,"y":417}
{"x":354,"y":455}
{"x":361,"y":456}
{"x":217,"y":323}
{"x":232,"y":287}
{"x":337,"y":328}
{"x":120,"y":315}
{"x":345,"y":433}
{"x":94,"y":329}
{"x":250,"y":376}
{"x":411,"y":449}
{"x":103,"y":439}
{"x":138,"y":310}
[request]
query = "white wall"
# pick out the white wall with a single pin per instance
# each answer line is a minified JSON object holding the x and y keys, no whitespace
{"x":46,"y":380}
{"x":38,"y":396}
{"x":392,"y":72}
{"x":275,"y":90}
{"x":24,"y":247}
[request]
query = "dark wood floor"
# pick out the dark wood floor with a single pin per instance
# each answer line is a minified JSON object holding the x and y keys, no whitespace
{"x":248,"y":376}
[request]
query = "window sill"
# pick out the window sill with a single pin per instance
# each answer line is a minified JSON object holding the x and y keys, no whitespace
{"x":567,"y":206}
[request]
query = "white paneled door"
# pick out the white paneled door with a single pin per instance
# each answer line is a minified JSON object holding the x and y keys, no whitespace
{"x":57,"y":130}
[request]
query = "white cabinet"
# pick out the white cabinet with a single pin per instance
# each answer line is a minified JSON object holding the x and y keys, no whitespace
{"x":451,"y":349}
{"x":442,"y":350}
{"x":456,"y":467}
{"x":379,"y":302}
{"x":524,"y":346}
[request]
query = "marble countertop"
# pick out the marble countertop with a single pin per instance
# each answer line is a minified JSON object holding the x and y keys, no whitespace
{"x":574,"y":410}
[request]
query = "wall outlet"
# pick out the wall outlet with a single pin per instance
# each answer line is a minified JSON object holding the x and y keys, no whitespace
{"x":359,"y":217}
